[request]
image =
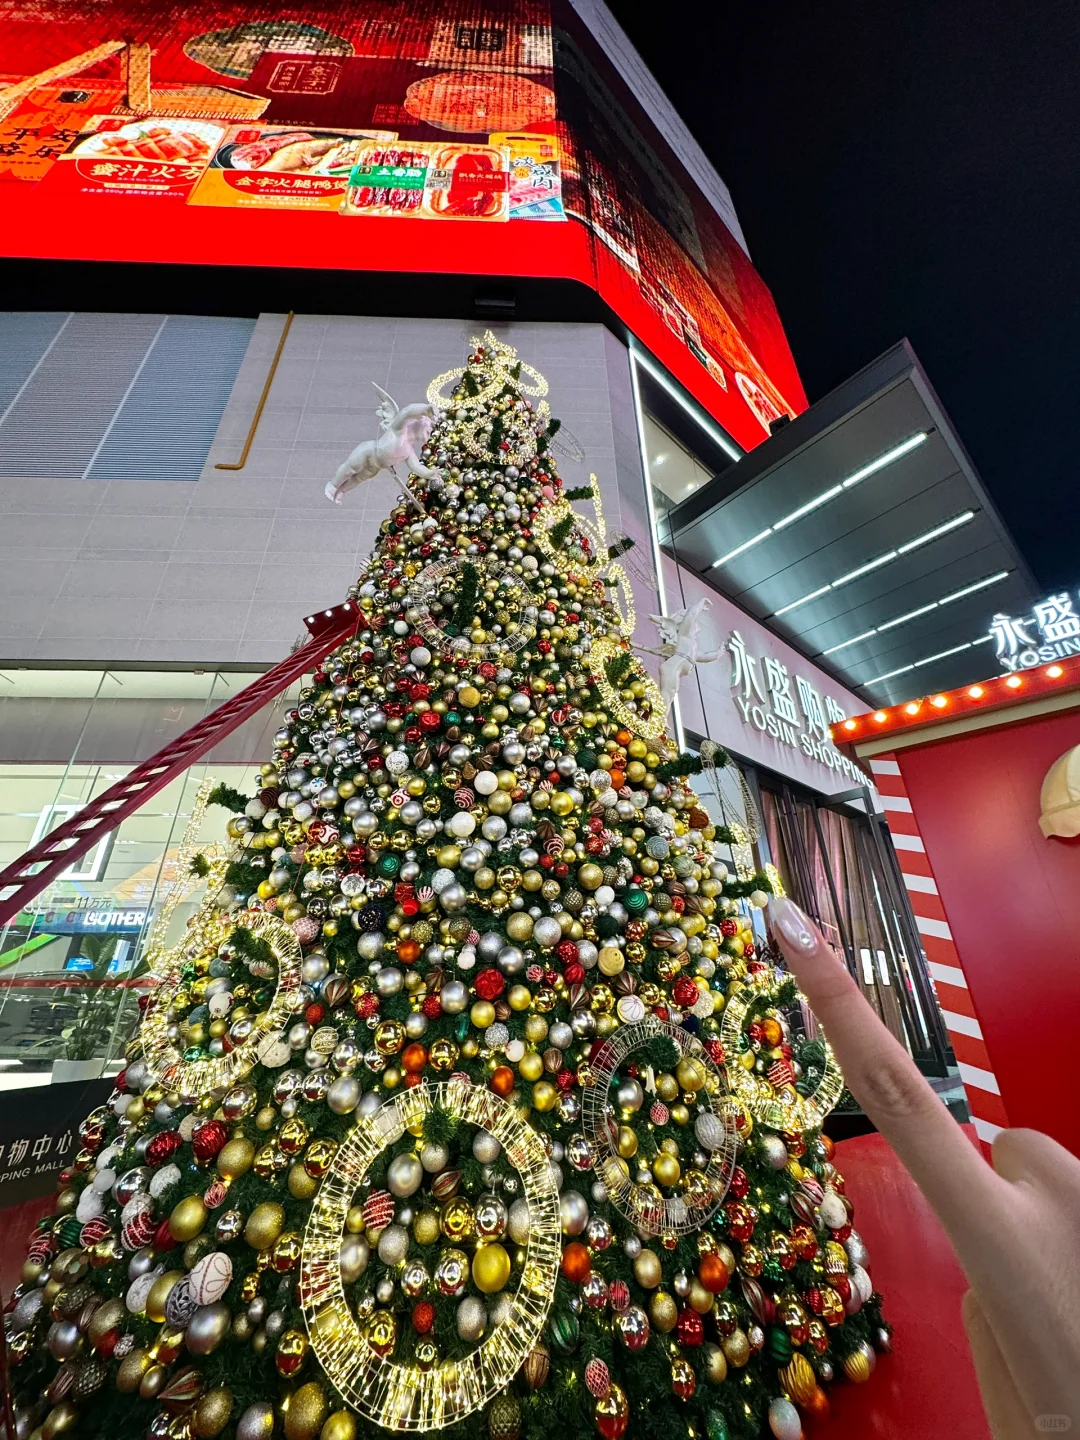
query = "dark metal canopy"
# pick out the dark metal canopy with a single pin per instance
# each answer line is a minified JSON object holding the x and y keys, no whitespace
{"x":861,"y":532}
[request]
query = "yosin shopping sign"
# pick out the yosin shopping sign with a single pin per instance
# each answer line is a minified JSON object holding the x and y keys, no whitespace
{"x":786,"y":706}
{"x":1051,"y":632}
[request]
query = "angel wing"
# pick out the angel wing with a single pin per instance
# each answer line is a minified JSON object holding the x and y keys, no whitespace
{"x":386,"y":409}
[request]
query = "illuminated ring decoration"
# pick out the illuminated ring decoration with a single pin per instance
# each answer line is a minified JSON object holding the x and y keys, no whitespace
{"x":194,"y":1078}
{"x":651,"y":726}
{"x":785,"y":1110}
{"x":162,"y":962}
{"x":425,"y":587}
{"x":671,"y":1215}
{"x":403,"y":1397}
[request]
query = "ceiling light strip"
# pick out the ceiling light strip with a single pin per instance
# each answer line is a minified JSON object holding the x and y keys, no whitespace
{"x":929,"y":660}
{"x":904,"y":448}
{"x":922,"y":610}
{"x":880,"y":560}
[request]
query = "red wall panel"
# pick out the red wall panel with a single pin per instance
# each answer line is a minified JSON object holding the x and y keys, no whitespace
{"x":1013,"y":904}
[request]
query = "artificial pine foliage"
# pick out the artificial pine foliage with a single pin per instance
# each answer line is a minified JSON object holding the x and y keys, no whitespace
{"x":469,"y":1102}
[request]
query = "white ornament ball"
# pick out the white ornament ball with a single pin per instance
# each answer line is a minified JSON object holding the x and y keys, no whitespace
{"x":461,"y":825}
{"x":164,"y":1179}
{"x":784,"y":1420}
{"x":139,"y":1290}
{"x":210,"y":1278}
{"x":759,"y":899}
{"x":486,"y":783}
{"x":832,"y":1210}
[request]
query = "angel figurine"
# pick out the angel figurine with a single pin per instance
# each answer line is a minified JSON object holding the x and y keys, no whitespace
{"x":679,"y":652}
{"x":402,"y":432}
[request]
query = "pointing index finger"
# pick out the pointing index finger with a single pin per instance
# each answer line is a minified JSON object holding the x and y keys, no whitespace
{"x":881,"y":1075}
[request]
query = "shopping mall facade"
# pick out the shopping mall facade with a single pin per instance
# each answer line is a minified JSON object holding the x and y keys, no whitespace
{"x":223,"y":235}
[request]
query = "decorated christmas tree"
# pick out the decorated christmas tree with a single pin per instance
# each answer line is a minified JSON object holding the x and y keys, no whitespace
{"x":468,"y":1100}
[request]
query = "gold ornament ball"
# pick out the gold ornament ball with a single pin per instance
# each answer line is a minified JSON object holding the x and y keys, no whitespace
{"x":354,"y":1220}
{"x":519,"y":926}
{"x":426,"y":1227}
{"x":648,"y":1271}
{"x":663,"y":1312}
{"x":187,"y":1218}
{"x":341,"y":1425}
{"x":857,"y":1367}
{"x":264,"y":1225}
{"x":700,"y":1299}
{"x":531,"y":1065}
{"x":212,"y":1413}
{"x":667,"y":1087}
{"x":457,"y":1221}
{"x":235,"y":1159}
{"x":302,"y":1186}
{"x":627,"y":1143}
{"x":544,"y":1096}
{"x":482,"y":1014}
{"x":690,"y":1074}
{"x":667,"y":1169}
{"x":306,"y":1413}
{"x":133,"y":1367}
{"x":60,"y":1419}
{"x":159,"y":1293}
{"x":715,"y":1364}
{"x":590,"y":876}
{"x":490,"y":1269}
{"x":736,"y":1348}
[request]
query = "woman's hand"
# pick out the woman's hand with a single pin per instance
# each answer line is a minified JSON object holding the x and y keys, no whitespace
{"x":1015,"y":1227}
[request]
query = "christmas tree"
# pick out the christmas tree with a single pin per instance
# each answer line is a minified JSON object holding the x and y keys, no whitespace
{"x":468,"y":1099}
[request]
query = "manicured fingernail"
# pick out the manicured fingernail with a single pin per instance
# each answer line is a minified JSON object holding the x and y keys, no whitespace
{"x":791,"y":922}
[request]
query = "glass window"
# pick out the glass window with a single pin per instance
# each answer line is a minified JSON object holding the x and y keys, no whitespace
{"x":674,"y":470}
{"x":72,"y":965}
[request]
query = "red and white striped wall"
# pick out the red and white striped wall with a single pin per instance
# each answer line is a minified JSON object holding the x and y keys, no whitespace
{"x":943,"y":959}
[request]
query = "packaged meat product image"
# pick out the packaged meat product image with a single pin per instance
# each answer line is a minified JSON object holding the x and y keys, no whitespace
{"x":468,"y":182}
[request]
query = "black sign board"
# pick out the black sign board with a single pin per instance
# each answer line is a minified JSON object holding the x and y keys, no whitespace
{"x":39,"y":1134}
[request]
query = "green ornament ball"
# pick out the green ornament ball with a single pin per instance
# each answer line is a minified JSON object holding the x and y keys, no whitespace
{"x":779,"y":1346}
{"x":716,"y":1426}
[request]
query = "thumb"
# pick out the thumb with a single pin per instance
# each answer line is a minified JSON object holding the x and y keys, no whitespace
{"x":1005,"y":1412}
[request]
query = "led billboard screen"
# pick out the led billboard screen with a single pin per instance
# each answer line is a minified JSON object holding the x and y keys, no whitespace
{"x":259,"y":135}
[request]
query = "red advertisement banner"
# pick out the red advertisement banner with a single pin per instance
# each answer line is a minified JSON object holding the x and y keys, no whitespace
{"x":495,"y":115}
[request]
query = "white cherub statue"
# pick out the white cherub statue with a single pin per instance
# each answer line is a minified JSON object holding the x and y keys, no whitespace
{"x":402,"y":432}
{"x":679,"y":652}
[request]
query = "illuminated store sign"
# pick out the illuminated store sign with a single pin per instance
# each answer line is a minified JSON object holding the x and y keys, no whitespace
{"x":1050,"y":632}
{"x":785,"y":706}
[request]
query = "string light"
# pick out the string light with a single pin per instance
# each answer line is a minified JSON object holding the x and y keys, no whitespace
{"x":649,"y":726}
{"x":402,"y":1396}
{"x":785,"y":1110}
{"x":194,"y":1078}
{"x":184,"y":880}
{"x":643,"y":1205}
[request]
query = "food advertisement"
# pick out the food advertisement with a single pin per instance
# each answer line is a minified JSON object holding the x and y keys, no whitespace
{"x":492,"y":114}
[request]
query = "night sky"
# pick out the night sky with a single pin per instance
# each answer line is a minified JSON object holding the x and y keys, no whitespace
{"x":911,"y":168}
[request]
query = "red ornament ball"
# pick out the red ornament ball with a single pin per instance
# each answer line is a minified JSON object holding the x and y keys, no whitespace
{"x":684,"y":992}
{"x":576,"y":1262}
{"x":208,"y":1140}
{"x":618,"y":1295}
{"x":378,"y":1210}
{"x":740,"y":1221}
{"x":690,"y":1330}
{"x":423,"y":1317}
{"x":597,"y":1378}
{"x":740,"y":1183}
{"x":489,"y":984}
{"x":162,"y":1146}
{"x":315,"y":1014}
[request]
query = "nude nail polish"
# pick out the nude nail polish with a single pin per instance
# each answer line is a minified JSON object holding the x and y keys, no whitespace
{"x":791,"y":922}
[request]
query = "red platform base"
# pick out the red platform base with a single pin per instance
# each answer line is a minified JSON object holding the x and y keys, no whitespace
{"x":925,"y":1388}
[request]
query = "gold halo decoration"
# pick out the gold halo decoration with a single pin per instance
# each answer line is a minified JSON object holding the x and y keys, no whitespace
{"x":402,"y":1396}
{"x":649,"y":720}
{"x":446,"y":577}
{"x":644,"y":1206}
{"x":781,"y":1109}
{"x":193,"y":1078}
